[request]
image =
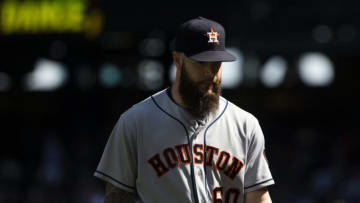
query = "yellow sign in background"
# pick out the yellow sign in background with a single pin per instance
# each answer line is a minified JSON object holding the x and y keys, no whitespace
{"x":49,"y":17}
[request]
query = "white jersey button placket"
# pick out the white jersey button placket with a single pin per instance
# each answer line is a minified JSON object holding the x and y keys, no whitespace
{"x":200,"y":173}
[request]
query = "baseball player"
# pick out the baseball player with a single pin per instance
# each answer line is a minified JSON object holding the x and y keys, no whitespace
{"x":186,"y":143}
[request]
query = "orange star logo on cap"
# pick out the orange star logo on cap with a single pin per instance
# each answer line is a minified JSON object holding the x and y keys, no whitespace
{"x":213,"y":36}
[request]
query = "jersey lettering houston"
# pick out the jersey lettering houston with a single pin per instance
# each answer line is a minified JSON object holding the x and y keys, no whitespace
{"x":159,"y":152}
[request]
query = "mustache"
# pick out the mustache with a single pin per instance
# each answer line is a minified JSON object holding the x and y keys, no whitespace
{"x":203,"y":87}
{"x":210,"y":81}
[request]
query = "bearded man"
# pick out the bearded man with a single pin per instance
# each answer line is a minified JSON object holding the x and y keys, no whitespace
{"x":186,"y":143}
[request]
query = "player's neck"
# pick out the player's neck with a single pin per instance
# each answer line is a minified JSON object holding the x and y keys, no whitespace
{"x":176,"y":95}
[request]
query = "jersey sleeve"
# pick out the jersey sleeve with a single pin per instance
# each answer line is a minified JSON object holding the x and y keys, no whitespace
{"x":257,"y":172}
{"x":118,"y":162}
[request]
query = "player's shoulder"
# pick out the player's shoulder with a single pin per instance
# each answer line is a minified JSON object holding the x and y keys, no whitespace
{"x":238,"y":113}
{"x":243,"y":119}
{"x":143,"y":108}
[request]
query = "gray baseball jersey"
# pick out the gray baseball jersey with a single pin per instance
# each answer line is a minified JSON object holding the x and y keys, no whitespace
{"x":159,"y":152}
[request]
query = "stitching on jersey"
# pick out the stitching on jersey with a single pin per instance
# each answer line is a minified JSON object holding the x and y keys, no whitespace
{"x":169,"y":114}
{"x":190,"y":144}
{"x":227,"y":102}
{"x":258,"y":183}
{"x":216,"y":119}
{"x":104,"y":174}
{"x":210,"y":126}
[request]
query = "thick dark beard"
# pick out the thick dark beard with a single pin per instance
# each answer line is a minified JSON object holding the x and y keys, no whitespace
{"x":198,"y":102}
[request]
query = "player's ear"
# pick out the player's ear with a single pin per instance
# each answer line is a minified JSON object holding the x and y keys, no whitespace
{"x":178,"y":60}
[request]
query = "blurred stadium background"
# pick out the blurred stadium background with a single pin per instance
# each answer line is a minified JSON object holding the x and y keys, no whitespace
{"x":69,"y":68}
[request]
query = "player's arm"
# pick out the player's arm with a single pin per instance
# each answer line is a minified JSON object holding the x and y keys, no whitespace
{"x":258,"y":196}
{"x":116,"y":195}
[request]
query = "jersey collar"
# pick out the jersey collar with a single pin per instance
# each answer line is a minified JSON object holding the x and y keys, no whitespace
{"x":182,"y":114}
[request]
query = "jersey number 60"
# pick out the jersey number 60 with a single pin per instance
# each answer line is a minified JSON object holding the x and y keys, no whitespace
{"x":231,"y":193}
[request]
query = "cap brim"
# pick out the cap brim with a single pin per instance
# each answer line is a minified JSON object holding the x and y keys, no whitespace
{"x":213,"y":56}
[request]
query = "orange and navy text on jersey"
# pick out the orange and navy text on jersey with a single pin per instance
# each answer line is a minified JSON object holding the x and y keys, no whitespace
{"x":173,"y":157}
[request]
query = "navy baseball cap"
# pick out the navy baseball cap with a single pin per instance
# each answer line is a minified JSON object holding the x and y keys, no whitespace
{"x":202,"y":39}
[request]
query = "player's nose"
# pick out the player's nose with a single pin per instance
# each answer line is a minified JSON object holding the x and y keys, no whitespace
{"x":212,"y":68}
{"x":211,"y":71}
